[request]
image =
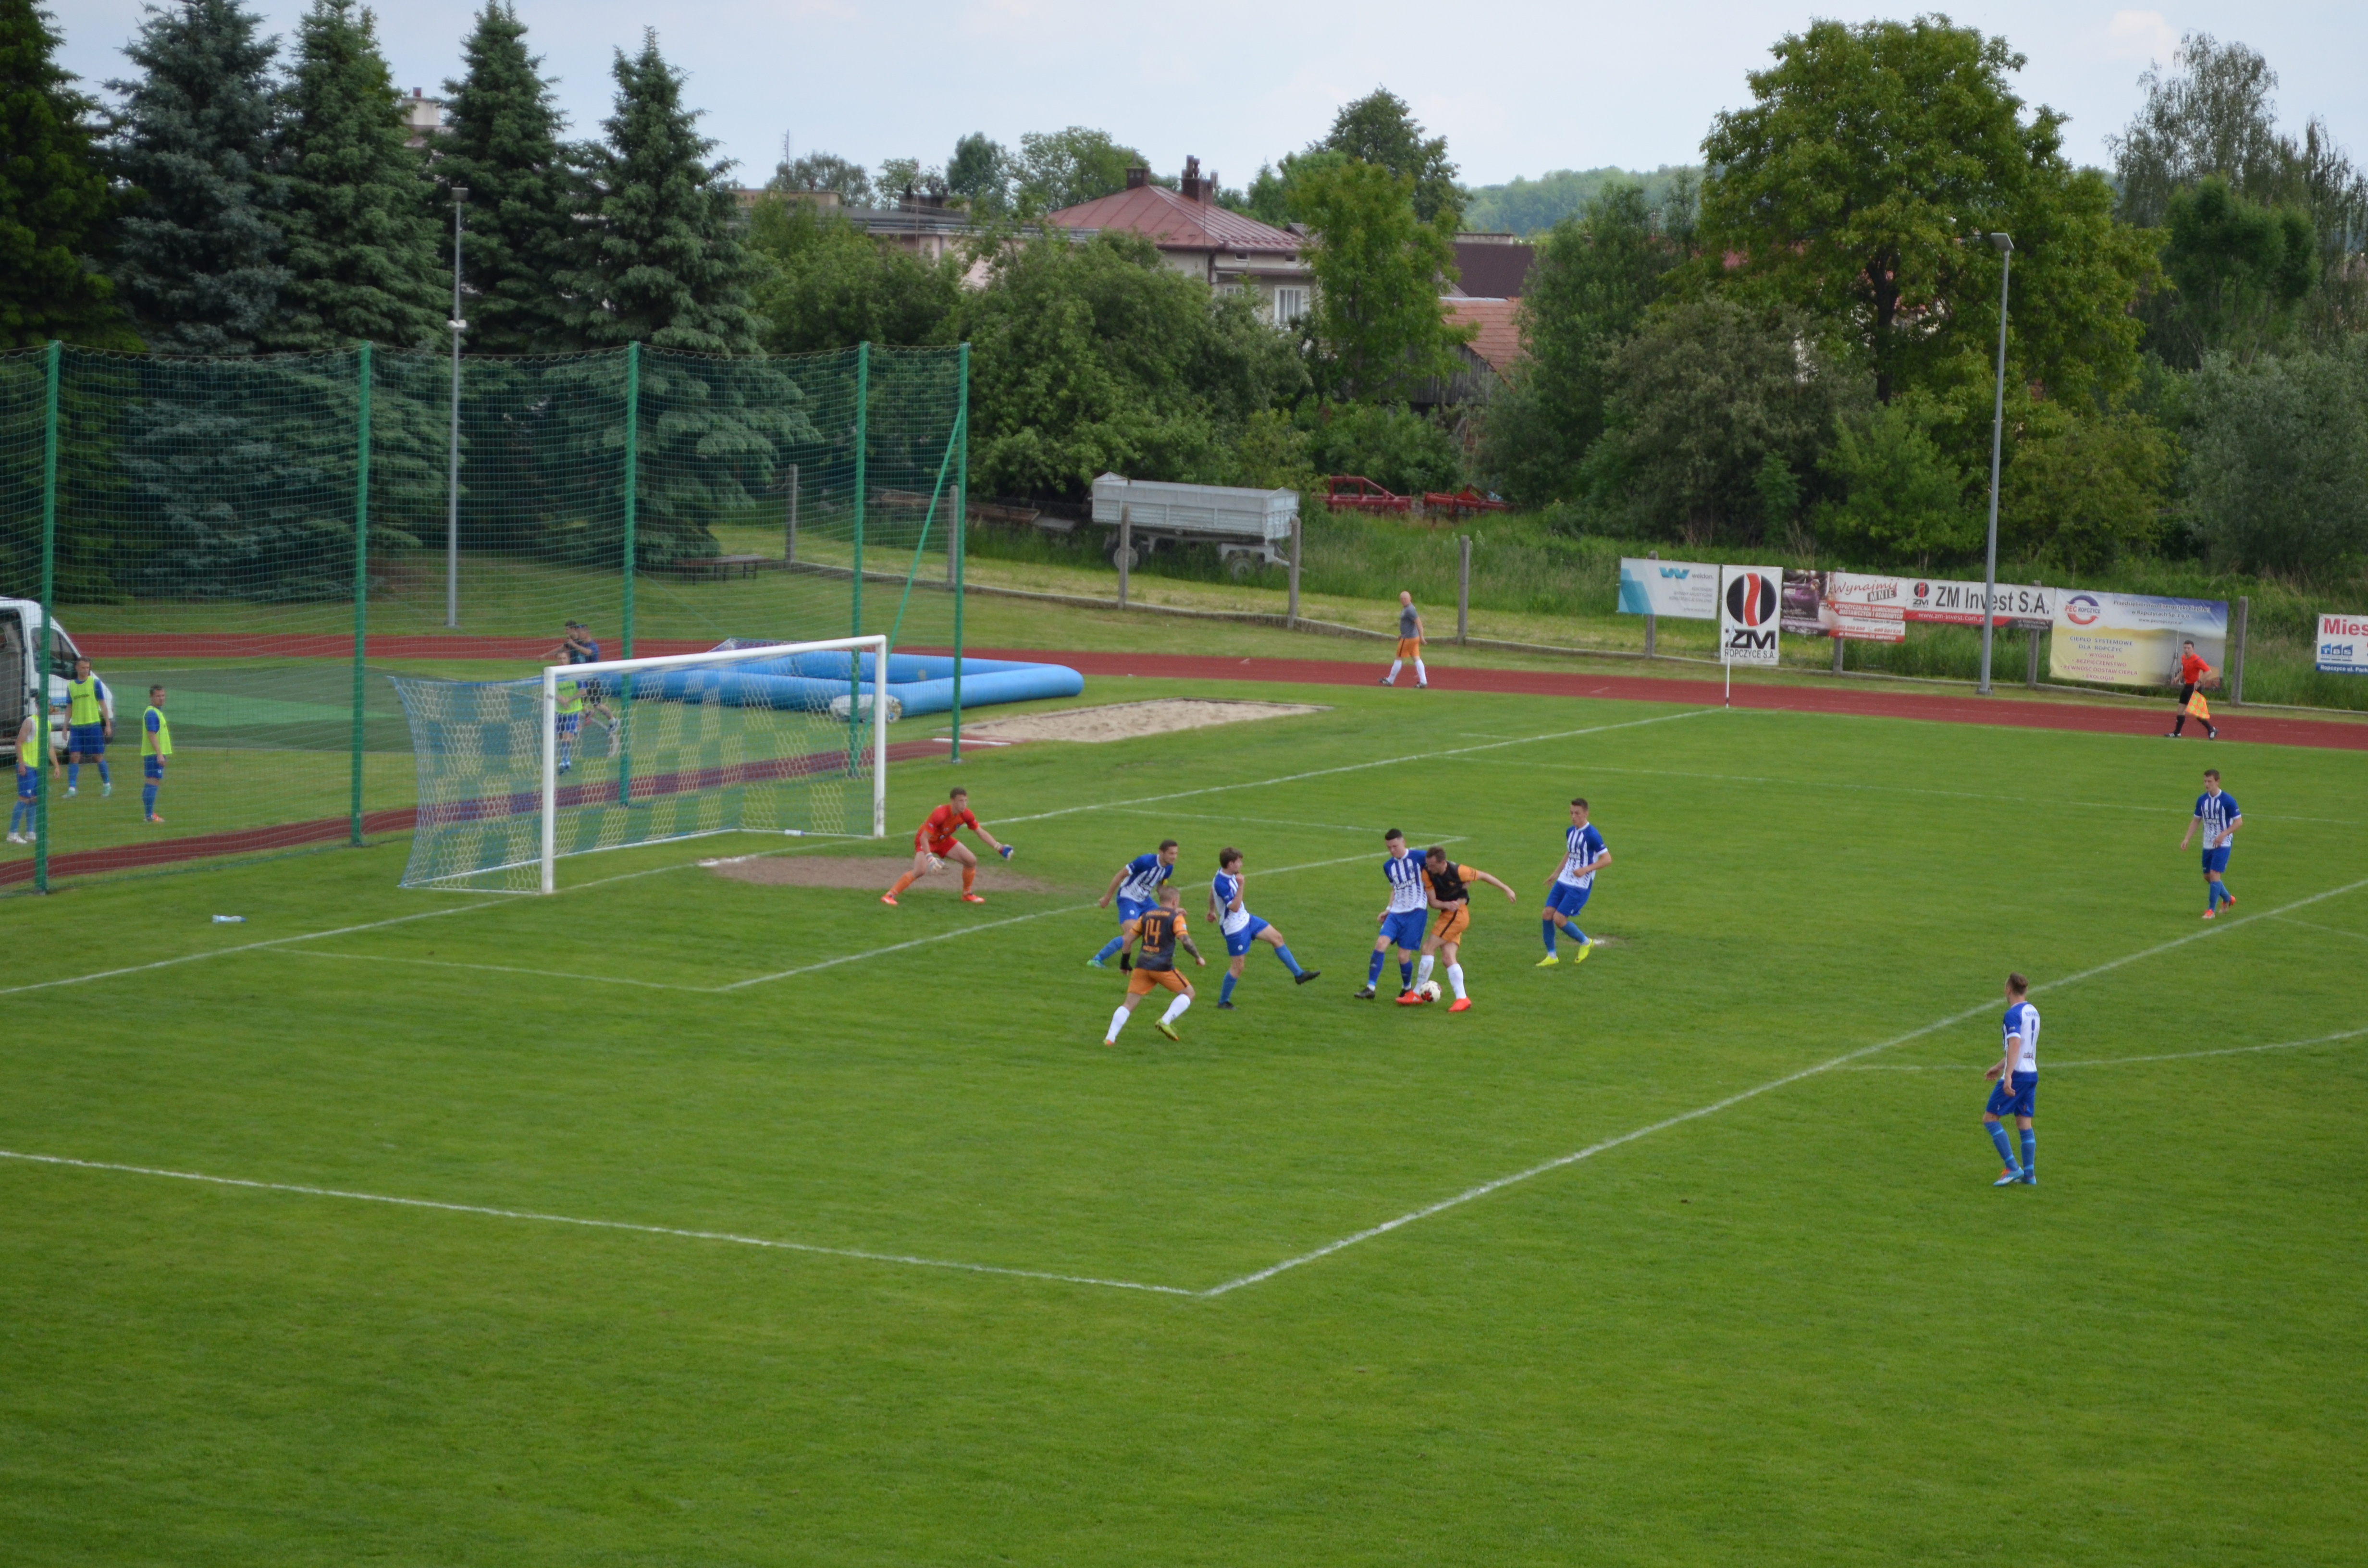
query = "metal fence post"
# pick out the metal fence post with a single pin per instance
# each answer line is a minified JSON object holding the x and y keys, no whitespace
{"x":49,"y":652}
{"x":790,"y":537}
{"x":2031,"y":675}
{"x":633,"y":482}
{"x":2237,"y":665}
{"x":1125,"y":548}
{"x":960,"y":537}
{"x":361,"y":575}
{"x":1464,"y":596}
{"x":1837,"y":652}
{"x":1649,"y":617}
{"x":854,"y":605}
{"x":1292,"y":619}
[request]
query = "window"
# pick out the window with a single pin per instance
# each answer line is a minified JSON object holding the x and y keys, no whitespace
{"x":1290,"y":305}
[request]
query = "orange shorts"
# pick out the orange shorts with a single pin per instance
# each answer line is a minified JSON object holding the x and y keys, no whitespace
{"x":1409,"y":647}
{"x":1144,"y":982}
{"x":1452,"y":926}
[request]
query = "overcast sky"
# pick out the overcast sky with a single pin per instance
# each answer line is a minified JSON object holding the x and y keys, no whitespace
{"x":1517,"y":87}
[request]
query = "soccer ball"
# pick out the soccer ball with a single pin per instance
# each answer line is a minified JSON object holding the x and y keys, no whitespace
{"x":1430,"y":989}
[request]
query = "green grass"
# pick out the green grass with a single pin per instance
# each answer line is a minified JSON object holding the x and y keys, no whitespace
{"x":1799,"y":1329}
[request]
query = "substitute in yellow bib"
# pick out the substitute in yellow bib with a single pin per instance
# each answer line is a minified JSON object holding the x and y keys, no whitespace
{"x":569,"y":719}
{"x":90,"y":724}
{"x":155,"y":745}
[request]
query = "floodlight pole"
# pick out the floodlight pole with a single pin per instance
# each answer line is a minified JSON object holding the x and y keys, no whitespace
{"x":458,"y":326}
{"x":2005,"y":244}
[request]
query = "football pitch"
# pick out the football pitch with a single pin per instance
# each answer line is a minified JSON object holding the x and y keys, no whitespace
{"x":680,"y":1218}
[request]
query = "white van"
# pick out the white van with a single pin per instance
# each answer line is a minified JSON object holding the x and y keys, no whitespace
{"x":20,"y":682}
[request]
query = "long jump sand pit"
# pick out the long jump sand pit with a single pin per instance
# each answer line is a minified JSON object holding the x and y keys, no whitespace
{"x":870,"y":873}
{"x":1127,"y":721}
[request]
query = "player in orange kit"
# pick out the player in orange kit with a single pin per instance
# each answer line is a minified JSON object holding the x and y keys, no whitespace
{"x":935,"y":844}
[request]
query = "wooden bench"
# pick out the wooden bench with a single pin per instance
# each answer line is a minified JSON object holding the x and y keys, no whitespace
{"x":720,"y":566}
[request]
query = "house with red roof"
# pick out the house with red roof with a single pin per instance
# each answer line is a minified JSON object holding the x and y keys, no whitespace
{"x":1227,"y":250}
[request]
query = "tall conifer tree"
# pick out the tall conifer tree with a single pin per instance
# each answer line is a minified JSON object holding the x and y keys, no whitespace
{"x":664,"y":263}
{"x":198,"y":264}
{"x":53,"y":197}
{"x":362,"y":236}
{"x":502,"y":143}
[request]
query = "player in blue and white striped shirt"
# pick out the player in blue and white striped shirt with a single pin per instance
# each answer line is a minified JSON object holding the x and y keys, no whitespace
{"x":1402,"y":919}
{"x":2217,"y":815}
{"x":2017,"y":1092}
{"x":1136,"y":889}
{"x":1568,"y":888}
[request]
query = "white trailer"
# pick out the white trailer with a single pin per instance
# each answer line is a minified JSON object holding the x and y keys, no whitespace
{"x":1250,"y":527}
{"x":20,"y":673}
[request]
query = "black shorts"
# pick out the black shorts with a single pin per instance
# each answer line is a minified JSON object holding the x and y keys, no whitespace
{"x":2186,"y":692}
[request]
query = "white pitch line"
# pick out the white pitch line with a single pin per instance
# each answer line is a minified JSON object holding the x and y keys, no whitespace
{"x":1361,"y":766}
{"x":688,"y":1235}
{"x":1485,"y":1189}
{"x":2116,"y":1061}
{"x":2331,"y":930}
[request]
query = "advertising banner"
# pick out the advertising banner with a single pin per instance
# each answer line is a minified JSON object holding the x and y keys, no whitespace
{"x":1878,"y":608}
{"x":1747,"y":614}
{"x":1683,"y":590}
{"x":2133,"y":639}
{"x":2343,"y":645}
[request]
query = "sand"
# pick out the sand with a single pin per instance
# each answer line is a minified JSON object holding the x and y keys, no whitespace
{"x":1125,"y":721}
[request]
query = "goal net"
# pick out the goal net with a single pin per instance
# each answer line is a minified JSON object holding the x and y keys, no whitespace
{"x":786,"y":738}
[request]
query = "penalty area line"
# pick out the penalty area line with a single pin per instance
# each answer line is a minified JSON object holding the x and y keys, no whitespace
{"x":1846,"y":1059}
{"x":730,"y":1237}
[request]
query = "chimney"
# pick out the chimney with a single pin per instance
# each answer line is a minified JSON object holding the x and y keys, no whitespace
{"x":1190,"y":185}
{"x":1137,"y":178}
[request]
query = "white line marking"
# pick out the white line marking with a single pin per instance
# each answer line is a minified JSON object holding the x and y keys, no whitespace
{"x":2331,"y":930}
{"x":2114,"y":1060}
{"x":1361,"y":766}
{"x":592,"y":1224}
{"x":1485,"y":1189}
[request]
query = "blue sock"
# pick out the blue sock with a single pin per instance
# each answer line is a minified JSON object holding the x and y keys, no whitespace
{"x":2029,"y":1153}
{"x":2225,"y":896}
{"x":105,"y":777}
{"x":2006,"y":1150}
{"x":1373,"y":972}
{"x":1110,"y":948}
{"x":1406,"y":974}
{"x":148,"y":800}
{"x":1579,"y":935}
{"x":1288,"y":962}
{"x":74,"y":774}
{"x":1550,"y":929}
{"x":1226,"y":994}
{"x":21,"y":809}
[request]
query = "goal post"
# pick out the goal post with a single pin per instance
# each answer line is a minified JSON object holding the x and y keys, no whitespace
{"x":515,"y":776}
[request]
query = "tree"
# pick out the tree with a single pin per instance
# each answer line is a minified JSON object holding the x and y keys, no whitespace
{"x":1593,"y":280}
{"x":1379,"y":327}
{"x":825,"y":172}
{"x":2277,"y":465}
{"x":362,"y":255}
{"x":980,"y":173}
{"x":1062,"y":168}
{"x":1852,"y":186}
{"x":1531,"y":206}
{"x":664,"y":263}
{"x":833,"y":286}
{"x":197,"y":259}
{"x":53,"y":198}
{"x":1273,"y":195}
{"x":1903,"y":500}
{"x":1695,"y":402}
{"x":502,"y":141}
{"x":2242,"y":270}
{"x":903,"y":177}
{"x":2082,"y":490}
{"x":1379,"y":129}
{"x":2210,"y":116}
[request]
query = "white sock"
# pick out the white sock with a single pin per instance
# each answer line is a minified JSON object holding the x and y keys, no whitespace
{"x":1422,"y":970}
{"x":1395,"y":665}
{"x":1455,"y":978}
{"x":1420,"y":673}
{"x":1117,"y":1022}
{"x":1175,"y":1009}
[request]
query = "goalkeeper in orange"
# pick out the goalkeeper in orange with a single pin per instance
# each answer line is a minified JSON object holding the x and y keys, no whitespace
{"x":1154,"y":935}
{"x":934,"y":843}
{"x":1448,"y":886}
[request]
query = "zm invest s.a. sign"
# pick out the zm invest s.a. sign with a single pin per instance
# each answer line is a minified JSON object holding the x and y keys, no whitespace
{"x":1747,"y":615}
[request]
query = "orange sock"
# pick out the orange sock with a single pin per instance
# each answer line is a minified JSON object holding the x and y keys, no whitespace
{"x":902,"y":883}
{"x":970,"y":875}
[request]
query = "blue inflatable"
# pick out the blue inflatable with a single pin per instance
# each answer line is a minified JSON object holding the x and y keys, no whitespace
{"x":920,"y":683}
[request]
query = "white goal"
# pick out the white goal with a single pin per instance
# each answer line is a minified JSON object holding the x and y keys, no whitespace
{"x":784,"y":738}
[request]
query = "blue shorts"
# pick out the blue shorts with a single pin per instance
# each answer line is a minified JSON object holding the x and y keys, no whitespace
{"x":2217,"y":859}
{"x":1405,"y":928}
{"x":1238,"y":942}
{"x":28,"y":783}
{"x":1566,"y":899}
{"x":570,"y":723}
{"x":2017,"y":1100}
{"x":90,"y":740}
{"x":151,"y":767}
{"x":1132,"y":909}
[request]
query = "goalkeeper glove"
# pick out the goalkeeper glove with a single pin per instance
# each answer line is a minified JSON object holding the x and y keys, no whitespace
{"x":1006,"y":851}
